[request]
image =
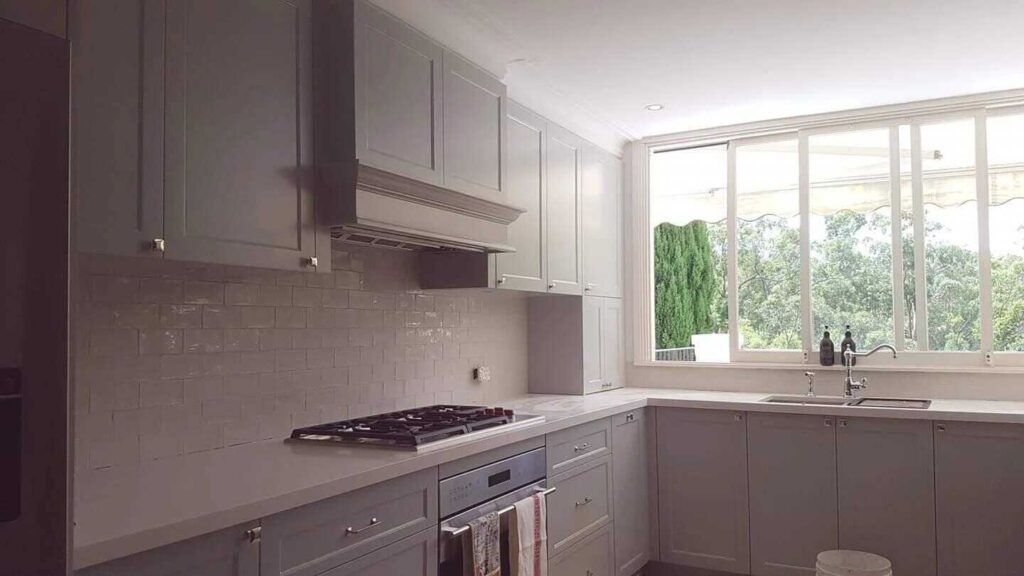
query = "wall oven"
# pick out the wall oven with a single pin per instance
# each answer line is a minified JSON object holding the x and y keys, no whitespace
{"x":494,"y":487}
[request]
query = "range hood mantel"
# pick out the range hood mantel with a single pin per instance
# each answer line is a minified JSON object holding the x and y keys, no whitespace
{"x":393,"y":211}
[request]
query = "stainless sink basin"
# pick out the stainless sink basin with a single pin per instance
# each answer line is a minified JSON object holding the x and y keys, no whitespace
{"x":912,"y":403}
{"x":811,"y":400}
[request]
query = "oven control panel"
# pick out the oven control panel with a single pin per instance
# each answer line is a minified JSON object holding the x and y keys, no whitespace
{"x":482,"y":484}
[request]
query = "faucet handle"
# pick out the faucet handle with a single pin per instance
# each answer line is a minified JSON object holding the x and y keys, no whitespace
{"x":863,"y":383}
{"x":810,"y":383}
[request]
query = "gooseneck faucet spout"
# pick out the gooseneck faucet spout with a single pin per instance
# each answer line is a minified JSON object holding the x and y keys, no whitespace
{"x":850,"y":387}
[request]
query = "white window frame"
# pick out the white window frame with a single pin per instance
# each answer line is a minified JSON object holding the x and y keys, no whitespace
{"x":979,"y":107}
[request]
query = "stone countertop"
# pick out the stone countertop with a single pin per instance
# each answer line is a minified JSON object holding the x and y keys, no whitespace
{"x":122,"y":512}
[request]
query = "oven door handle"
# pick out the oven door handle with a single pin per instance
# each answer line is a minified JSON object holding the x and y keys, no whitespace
{"x":452,"y":531}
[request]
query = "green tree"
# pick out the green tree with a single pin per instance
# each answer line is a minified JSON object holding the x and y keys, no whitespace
{"x":684,"y":279}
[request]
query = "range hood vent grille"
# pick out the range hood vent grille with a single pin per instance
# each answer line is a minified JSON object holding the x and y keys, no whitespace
{"x":391,"y":211}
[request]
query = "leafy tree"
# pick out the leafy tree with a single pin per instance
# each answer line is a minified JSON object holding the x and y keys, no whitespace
{"x":684,"y":279}
{"x":851,"y":284}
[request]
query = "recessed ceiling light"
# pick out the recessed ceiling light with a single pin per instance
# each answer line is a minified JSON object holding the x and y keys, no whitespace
{"x":655,"y":107}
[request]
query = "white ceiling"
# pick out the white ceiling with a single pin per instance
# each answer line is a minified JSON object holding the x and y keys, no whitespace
{"x":593,"y":65}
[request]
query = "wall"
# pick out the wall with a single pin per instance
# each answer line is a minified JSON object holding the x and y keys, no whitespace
{"x":175,"y":358}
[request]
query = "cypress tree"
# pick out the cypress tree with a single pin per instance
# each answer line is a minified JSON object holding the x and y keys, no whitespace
{"x":684,"y":283}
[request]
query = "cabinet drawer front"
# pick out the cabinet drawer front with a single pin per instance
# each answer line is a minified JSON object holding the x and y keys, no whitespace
{"x":571,"y":447}
{"x":314,"y":538}
{"x":414,"y":556}
{"x":228,"y":552}
{"x":591,"y":557}
{"x":581,"y":504}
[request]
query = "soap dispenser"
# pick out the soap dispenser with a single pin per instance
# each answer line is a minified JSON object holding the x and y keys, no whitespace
{"x":848,"y":344}
{"x":827,"y":349}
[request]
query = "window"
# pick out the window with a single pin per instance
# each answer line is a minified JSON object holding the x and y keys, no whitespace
{"x":1006,"y":230}
{"x":688,"y":213}
{"x":910,"y":230}
{"x":851,"y":234}
{"x":768,"y":245}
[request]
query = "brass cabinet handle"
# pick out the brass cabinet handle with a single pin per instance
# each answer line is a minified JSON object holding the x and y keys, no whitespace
{"x":630,"y":417}
{"x":351,"y":530}
{"x":584,"y":502}
{"x":828,"y":422}
{"x":581,"y":447}
{"x":254,"y":535}
{"x":311,"y":261}
{"x":159,"y":245}
{"x":940,"y":427}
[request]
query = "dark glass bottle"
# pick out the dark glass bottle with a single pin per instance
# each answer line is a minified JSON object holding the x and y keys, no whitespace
{"x":827,"y":350}
{"x":848,"y":343}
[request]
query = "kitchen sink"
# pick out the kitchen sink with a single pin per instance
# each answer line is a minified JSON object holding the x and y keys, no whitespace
{"x":912,"y":403}
{"x":812,"y":400}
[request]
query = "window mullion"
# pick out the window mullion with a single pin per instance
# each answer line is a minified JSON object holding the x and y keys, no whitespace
{"x":984,"y":249}
{"x":897,"y":237}
{"x":920,"y":263}
{"x":806,"y":314}
{"x":732,"y":249}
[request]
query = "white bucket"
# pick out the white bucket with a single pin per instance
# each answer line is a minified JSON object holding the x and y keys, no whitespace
{"x":852,"y":563}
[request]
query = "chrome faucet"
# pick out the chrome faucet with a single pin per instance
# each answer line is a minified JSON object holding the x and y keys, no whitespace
{"x":850,"y":387}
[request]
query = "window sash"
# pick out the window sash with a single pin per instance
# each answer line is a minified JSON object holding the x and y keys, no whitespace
{"x":644,"y":295}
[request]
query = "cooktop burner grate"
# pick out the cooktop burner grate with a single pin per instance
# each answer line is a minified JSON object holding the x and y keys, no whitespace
{"x":410,"y":428}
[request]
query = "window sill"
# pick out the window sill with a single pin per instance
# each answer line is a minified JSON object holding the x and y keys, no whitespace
{"x":860,"y":367}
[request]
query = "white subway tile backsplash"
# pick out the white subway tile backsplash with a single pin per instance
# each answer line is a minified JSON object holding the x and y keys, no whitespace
{"x":177,"y":358}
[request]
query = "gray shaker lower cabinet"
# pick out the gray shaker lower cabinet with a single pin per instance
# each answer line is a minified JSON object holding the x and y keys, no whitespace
{"x":887,"y":491}
{"x":321,"y":536}
{"x":979,"y":497}
{"x":629,"y":492}
{"x":592,"y":556}
{"x":229,"y":552}
{"x":702,"y":489}
{"x":413,"y":556}
{"x":793,"y":500}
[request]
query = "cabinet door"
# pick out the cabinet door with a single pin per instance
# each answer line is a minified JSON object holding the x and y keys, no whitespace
{"x":414,"y":556}
{"x":591,"y":557}
{"x":564,"y":218}
{"x":887,"y":491}
{"x":629,"y":492}
{"x":593,"y":356}
{"x":226,"y":553}
{"x":238,"y":173}
{"x":602,"y":223}
{"x":612,"y":354}
{"x":793,"y":508}
{"x":398,"y":96}
{"x":524,"y":268}
{"x":474,"y":130}
{"x":979,"y":480}
{"x":117,"y":153}
{"x":702,"y":489}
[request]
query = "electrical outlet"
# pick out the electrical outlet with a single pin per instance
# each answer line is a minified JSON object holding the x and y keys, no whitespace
{"x":482,"y":374}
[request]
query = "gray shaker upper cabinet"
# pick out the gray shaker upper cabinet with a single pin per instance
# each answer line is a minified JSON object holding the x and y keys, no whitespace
{"x":602,"y":223}
{"x":474,"y":130}
{"x":398,"y":88}
{"x":524,"y":268}
{"x":238,"y":139}
{"x":192,"y":129}
{"x":564,"y":217}
{"x":117,"y":142}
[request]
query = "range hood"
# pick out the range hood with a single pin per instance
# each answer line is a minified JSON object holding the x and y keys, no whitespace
{"x":387,"y":210}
